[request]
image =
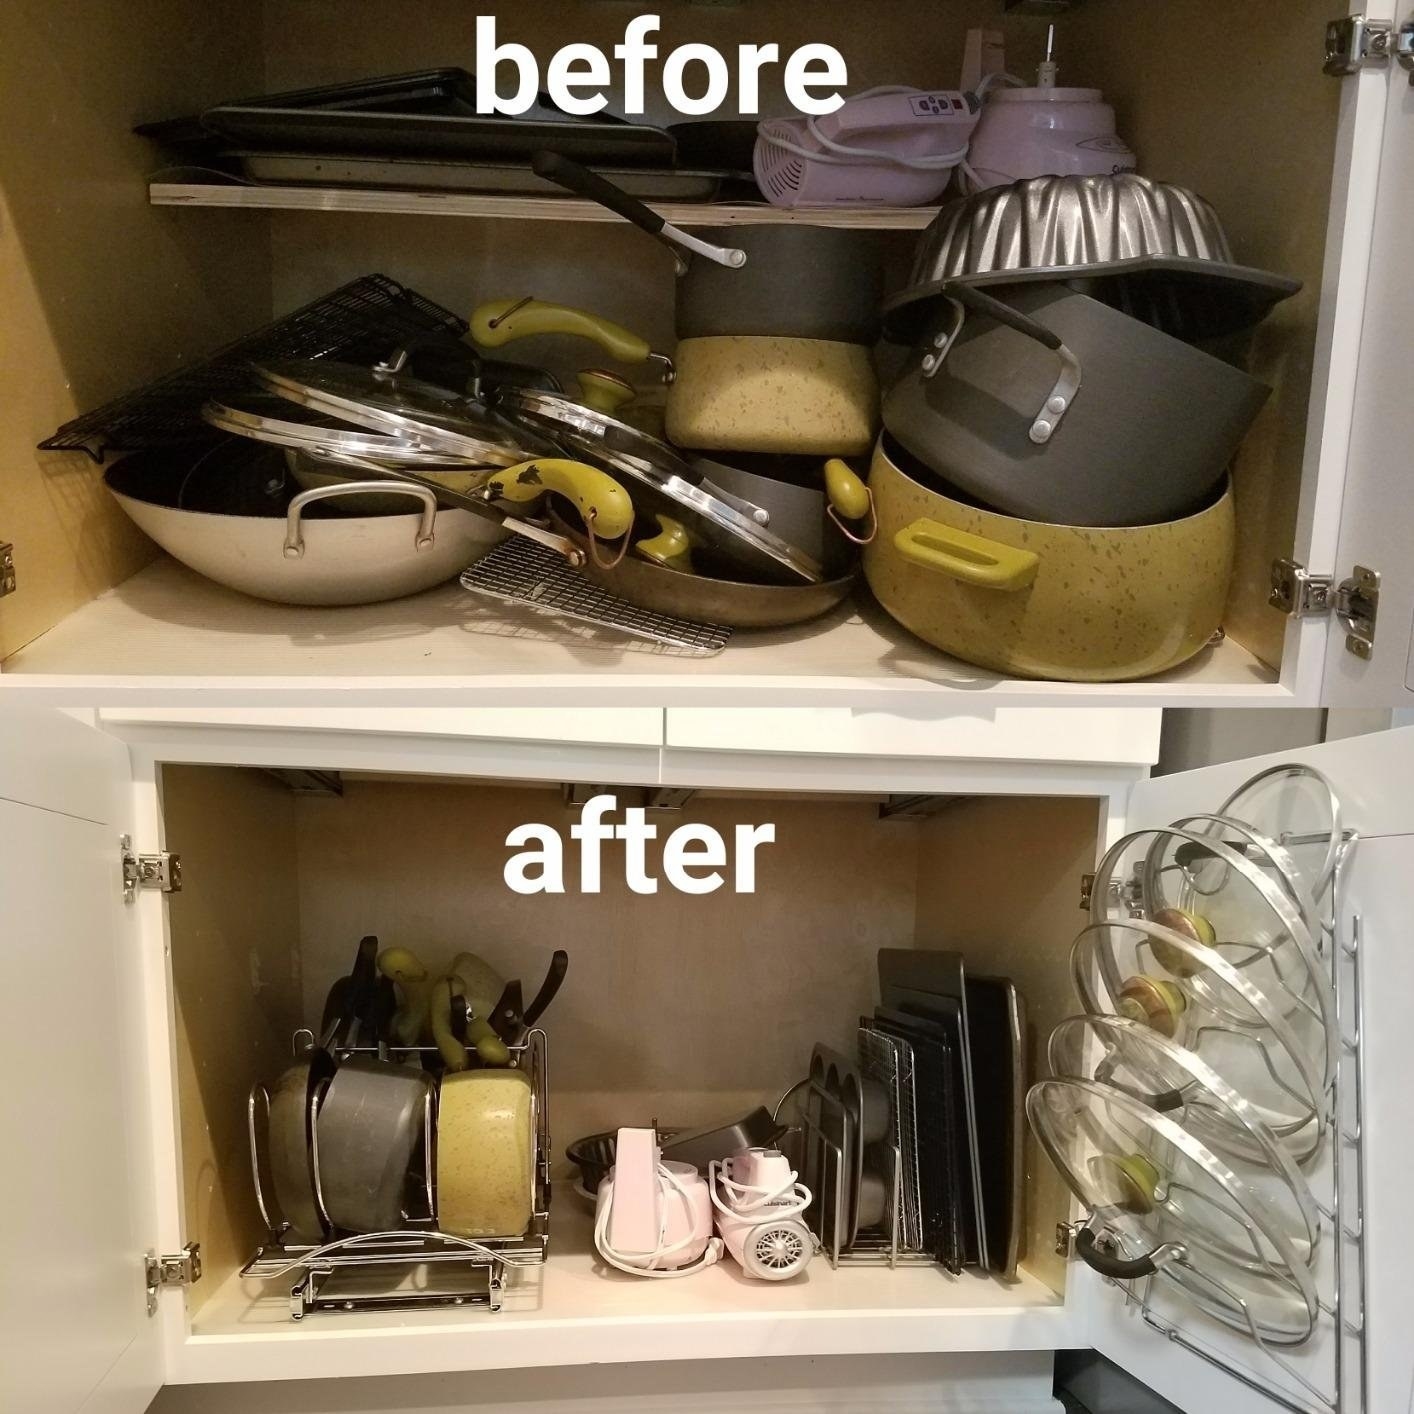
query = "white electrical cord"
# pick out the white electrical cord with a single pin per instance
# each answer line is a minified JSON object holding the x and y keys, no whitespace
{"x":971,"y":181}
{"x":645,"y":1264}
{"x":786,"y":1200}
{"x":842,"y":154}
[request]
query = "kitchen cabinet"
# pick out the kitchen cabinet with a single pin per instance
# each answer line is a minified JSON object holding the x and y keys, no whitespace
{"x":111,"y":283}
{"x":197,"y":990}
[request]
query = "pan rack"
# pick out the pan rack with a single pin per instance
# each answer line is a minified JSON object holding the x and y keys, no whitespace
{"x":415,"y":1266}
{"x":1335,"y":1377}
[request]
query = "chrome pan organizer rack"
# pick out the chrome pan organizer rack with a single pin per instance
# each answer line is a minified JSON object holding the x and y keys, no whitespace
{"x":829,"y":1157}
{"x":1327,"y":1373}
{"x":417,"y":1265}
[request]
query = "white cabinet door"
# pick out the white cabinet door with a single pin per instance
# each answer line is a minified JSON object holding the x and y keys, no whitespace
{"x":1374,"y":777}
{"x":76,"y":1183}
{"x":1377,"y":511}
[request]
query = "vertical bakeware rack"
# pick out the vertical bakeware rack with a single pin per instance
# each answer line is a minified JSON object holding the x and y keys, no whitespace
{"x":417,"y":1265}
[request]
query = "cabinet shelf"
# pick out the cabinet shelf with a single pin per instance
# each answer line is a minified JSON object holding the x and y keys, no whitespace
{"x":376,"y":201}
{"x":571,"y":1312}
{"x":443,"y":647}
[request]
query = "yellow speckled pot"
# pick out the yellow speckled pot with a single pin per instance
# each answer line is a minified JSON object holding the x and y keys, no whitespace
{"x":485,"y":1153}
{"x":807,"y":397}
{"x":1065,"y":602}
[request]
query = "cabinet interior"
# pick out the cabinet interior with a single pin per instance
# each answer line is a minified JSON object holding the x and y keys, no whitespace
{"x":105,"y":291}
{"x":677,"y":1008}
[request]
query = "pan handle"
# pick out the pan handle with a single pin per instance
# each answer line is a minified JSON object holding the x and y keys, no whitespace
{"x":552,"y":167}
{"x":602,"y":503}
{"x":1088,"y":1249}
{"x":498,"y":322}
{"x":294,"y":531}
{"x":973,"y":559}
{"x":962,"y":297}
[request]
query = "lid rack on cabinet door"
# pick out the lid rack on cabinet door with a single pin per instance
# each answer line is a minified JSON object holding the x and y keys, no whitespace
{"x":1328,"y":1373}
{"x":418,"y":1265}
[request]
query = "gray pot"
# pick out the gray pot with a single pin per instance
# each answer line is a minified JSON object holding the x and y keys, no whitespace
{"x":796,"y":281}
{"x":801,"y":282}
{"x":1047,"y":405}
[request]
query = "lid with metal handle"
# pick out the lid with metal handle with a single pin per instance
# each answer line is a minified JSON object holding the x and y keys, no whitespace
{"x":1161,"y":1203}
{"x":396,"y":405}
{"x":1196,"y":884}
{"x":1191,"y":994}
{"x":1177,"y":1082}
{"x":663,"y":482}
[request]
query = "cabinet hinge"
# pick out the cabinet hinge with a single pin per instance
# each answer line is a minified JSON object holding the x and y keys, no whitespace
{"x":1355,"y":601}
{"x":7,"y":569}
{"x":1087,"y":890}
{"x":149,"y":871}
{"x":1354,"y":42}
{"x":181,"y":1269}
{"x":1404,"y":49}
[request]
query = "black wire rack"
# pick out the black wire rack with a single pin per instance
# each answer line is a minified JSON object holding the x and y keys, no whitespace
{"x":361,"y":322}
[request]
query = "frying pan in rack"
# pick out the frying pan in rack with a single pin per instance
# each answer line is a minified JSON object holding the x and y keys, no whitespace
{"x":1162,"y":1203}
{"x":1213,"y":1009}
{"x":1169,"y":1078}
{"x":1192,"y":883}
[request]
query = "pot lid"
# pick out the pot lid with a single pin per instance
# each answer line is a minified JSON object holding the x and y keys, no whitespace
{"x":396,"y":405}
{"x":1296,"y":807}
{"x":282,"y":423}
{"x":1193,"y":995}
{"x":1154,"y":1189}
{"x":662,"y":481}
{"x":1195,"y":884}
{"x":1177,"y":1082}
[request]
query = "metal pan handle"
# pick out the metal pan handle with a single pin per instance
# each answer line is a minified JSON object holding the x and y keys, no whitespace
{"x":961,"y":298}
{"x":294,"y":532}
{"x":552,"y":167}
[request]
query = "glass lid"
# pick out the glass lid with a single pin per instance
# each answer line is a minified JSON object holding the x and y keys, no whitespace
{"x":1174,"y":1081}
{"x":397,"y":405}
{"x":664,"y":482}
{"x":1160,"y":1201}
{"x":282,"y":423}
{"x":1297,"y":808}
{"x":1194,"y":884}
{"x":1194,"y":996}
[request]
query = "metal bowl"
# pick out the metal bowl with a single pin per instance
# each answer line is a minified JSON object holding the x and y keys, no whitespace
{"x":1155,"y":250}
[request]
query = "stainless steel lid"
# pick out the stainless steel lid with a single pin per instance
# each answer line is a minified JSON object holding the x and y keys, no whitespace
{"x":663,"y":481}
{"x":395,"y":405}
{"x":282,"y":423}
{"x":1164,"y":243}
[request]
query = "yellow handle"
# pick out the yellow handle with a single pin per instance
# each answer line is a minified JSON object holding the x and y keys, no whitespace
{"x":847,"y":492}
{"x":671,"y":547}
{"x":971,"y":558}
{"x":602,"y":391}
{"x":602,"y":503}
{"x":502,"y":320}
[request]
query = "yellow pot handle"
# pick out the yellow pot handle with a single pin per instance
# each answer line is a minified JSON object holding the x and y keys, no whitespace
{"x":846,"y":490}
{"x":500,"y":321}
{"x":602,"y":503}
{"x":973,"y":559}
{"x":671,"y":547}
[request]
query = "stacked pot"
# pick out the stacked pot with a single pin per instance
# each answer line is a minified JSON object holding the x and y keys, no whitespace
{"x":1051,"y":485}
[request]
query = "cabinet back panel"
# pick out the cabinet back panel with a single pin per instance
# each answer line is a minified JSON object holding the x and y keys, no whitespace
{"x":999,"y":881}
{"x":99,"y":290}
{"x":235,"y":960}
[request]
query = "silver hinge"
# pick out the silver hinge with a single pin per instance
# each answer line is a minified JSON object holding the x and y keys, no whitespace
{"x":180,"y":1270}
{"x":7,"y":569}
{"x":1087,"y":890}
{"x":149,"y":871}
{"x":1404,"y":49}
{"x":1354,"y":601}
{"x":1353,"y":43}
